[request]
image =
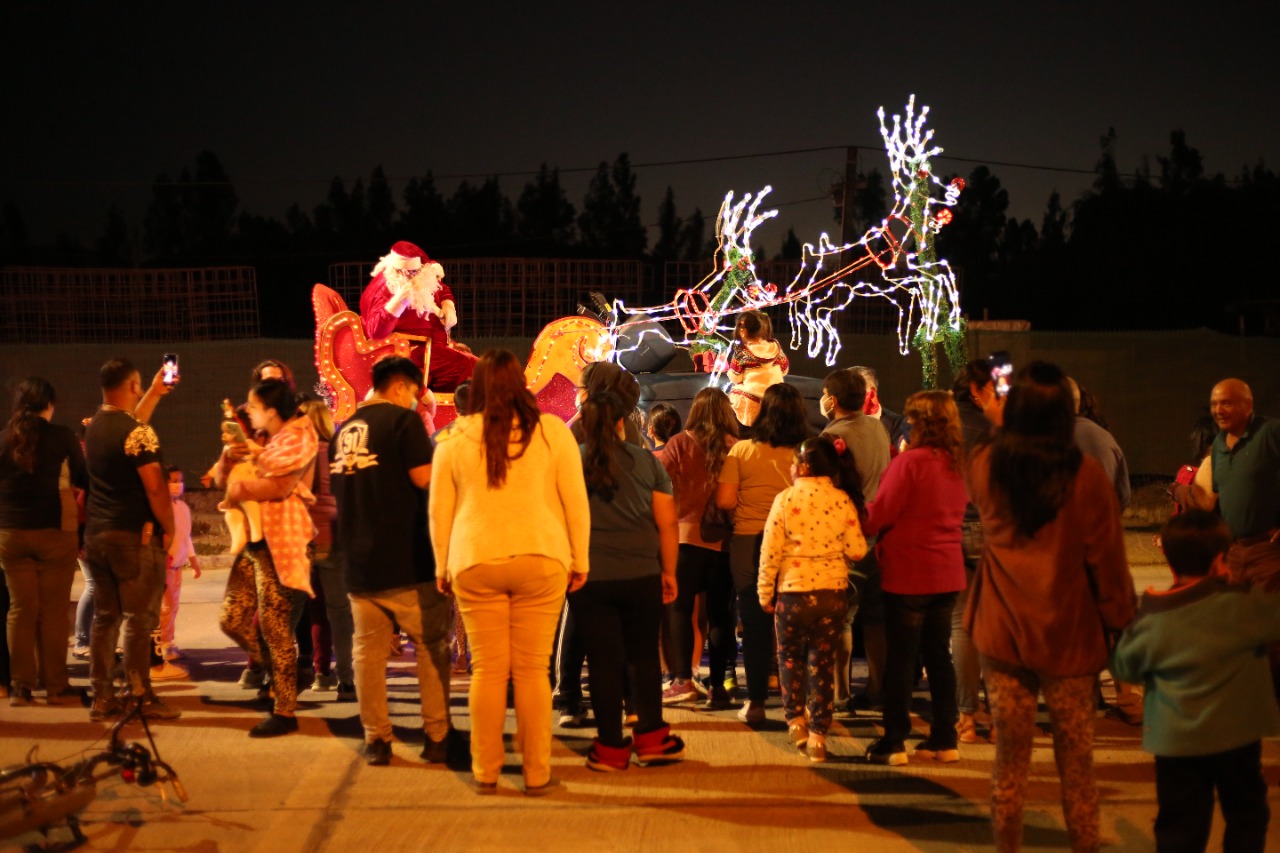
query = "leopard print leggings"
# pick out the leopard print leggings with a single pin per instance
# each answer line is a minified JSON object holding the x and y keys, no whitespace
{"x":254,"y":586}
{"x":1013,"y":710}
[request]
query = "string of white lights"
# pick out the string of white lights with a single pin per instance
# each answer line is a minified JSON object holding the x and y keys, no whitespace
{"x":921,"y":206}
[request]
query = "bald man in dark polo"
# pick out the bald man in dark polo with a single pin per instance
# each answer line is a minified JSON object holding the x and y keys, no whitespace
{"x":1245,"y":462}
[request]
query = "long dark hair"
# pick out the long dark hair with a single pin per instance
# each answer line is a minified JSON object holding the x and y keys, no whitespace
{"x":1034,"y":457}
{"x":664,"y":421}
{"x":782,"y":421}
{"x":711,"y":422}
{"x":601,"y":457}
{"x":827,"y":459}
{"x":500,"y":395}
{"x":277,"y":394}
{"x":32,"y":397}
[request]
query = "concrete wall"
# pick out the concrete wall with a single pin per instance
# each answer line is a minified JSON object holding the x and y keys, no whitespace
{"x":1152,"y":385}
{"x":188,"y":419}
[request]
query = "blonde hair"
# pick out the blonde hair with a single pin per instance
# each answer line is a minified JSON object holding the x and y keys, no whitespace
{"x":320,"y":416}
{"x":935,"y":422}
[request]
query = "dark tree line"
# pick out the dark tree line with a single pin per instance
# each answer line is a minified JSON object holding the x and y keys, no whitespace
{"x":1169,"y":248}
{"x":1172,"y":247}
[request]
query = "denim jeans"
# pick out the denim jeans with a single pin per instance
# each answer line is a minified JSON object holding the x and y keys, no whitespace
{"x":128,"y":583}
{"x":919,"y":626}
{"x":338,"y":610}
{"x":84,"y":607}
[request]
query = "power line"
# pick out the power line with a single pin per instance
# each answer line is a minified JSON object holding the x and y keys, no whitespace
{"x":685,"y":162}
{"x":691,"y":161}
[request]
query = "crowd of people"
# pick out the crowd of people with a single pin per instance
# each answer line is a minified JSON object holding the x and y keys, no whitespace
{"x":978,"y":536}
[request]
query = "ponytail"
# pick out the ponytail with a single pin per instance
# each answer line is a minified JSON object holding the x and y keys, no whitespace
{"x":33,"y":396}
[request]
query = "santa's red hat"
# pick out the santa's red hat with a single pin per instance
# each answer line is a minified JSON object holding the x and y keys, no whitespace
{"x":403,"y":256}
{"x":408,"y":257}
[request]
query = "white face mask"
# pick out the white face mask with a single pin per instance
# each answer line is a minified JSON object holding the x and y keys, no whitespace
{"x":175,"y":490}
{"x":826,"y":405}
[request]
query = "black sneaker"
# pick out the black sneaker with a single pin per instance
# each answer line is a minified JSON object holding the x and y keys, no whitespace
{"x":885,"y":752}
{"x":274,"y":726}
{"x":377,"y":753}
{"x":346,"y":692}
{"x":435,"y":751}
{"x":718,"y":699}
{"x":20,"y":697}
{"x":946,"y":753}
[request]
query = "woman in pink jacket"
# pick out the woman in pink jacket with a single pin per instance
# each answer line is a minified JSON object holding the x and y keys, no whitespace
{"x":917,"y":514}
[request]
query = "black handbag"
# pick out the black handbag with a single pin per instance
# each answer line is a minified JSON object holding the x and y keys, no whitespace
{"x":717,"y":523}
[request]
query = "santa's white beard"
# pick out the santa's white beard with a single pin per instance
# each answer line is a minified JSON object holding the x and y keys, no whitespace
{"x":421,"y":288}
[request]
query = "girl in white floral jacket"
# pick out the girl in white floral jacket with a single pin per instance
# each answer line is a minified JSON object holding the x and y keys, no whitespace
{"x":812,"y":534}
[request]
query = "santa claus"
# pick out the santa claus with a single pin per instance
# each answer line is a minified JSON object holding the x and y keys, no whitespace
{"x":407,"y":295}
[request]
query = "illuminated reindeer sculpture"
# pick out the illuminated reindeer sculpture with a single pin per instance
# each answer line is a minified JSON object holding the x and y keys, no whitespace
{"x":900,"y":247}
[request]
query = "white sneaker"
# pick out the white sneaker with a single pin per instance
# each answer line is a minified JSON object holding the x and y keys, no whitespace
{"x":325,"y":683}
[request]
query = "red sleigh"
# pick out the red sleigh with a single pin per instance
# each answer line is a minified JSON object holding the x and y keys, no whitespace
{"x":345,"y":358}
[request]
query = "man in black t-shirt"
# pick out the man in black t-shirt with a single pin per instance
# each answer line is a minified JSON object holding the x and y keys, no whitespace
{"x":379,"y":472}
{"x":128,"y":530}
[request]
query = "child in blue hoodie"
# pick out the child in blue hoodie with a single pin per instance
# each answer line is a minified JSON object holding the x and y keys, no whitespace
{"x":1200,"y":648}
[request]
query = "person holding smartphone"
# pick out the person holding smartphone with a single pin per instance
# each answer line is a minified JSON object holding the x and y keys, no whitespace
{"x":981,"y":409}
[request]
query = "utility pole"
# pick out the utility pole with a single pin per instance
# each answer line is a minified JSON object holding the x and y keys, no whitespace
{"x":851,"y":187}
{"x":848,"y":222}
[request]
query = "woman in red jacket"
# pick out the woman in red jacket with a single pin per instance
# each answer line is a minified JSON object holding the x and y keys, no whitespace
{"x":917,"y":514}
{"x":1053,"y":580}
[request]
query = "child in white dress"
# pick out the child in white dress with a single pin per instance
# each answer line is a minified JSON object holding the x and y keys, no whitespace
{"x":756,"y":361}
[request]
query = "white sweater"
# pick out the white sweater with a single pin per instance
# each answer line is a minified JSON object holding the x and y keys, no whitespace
{"x":809,"y":540}
{"x":541,"y":509}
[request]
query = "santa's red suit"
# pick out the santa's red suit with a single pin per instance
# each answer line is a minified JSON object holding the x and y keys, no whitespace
{"x":407,"y":296}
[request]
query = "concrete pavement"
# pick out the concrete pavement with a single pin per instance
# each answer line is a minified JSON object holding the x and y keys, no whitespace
{"x":738,"y":789}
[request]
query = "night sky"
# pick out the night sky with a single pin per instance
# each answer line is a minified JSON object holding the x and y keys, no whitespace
{"x":99,"y":98}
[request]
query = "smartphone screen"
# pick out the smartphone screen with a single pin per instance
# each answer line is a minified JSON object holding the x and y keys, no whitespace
{"x":1001,"y":371}
{"x":170,"y":375}
{"x":234,"y":429}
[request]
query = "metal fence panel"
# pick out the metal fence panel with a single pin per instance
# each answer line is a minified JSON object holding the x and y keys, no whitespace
{"x":60,"y":305}
{"x":502,"y":297}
